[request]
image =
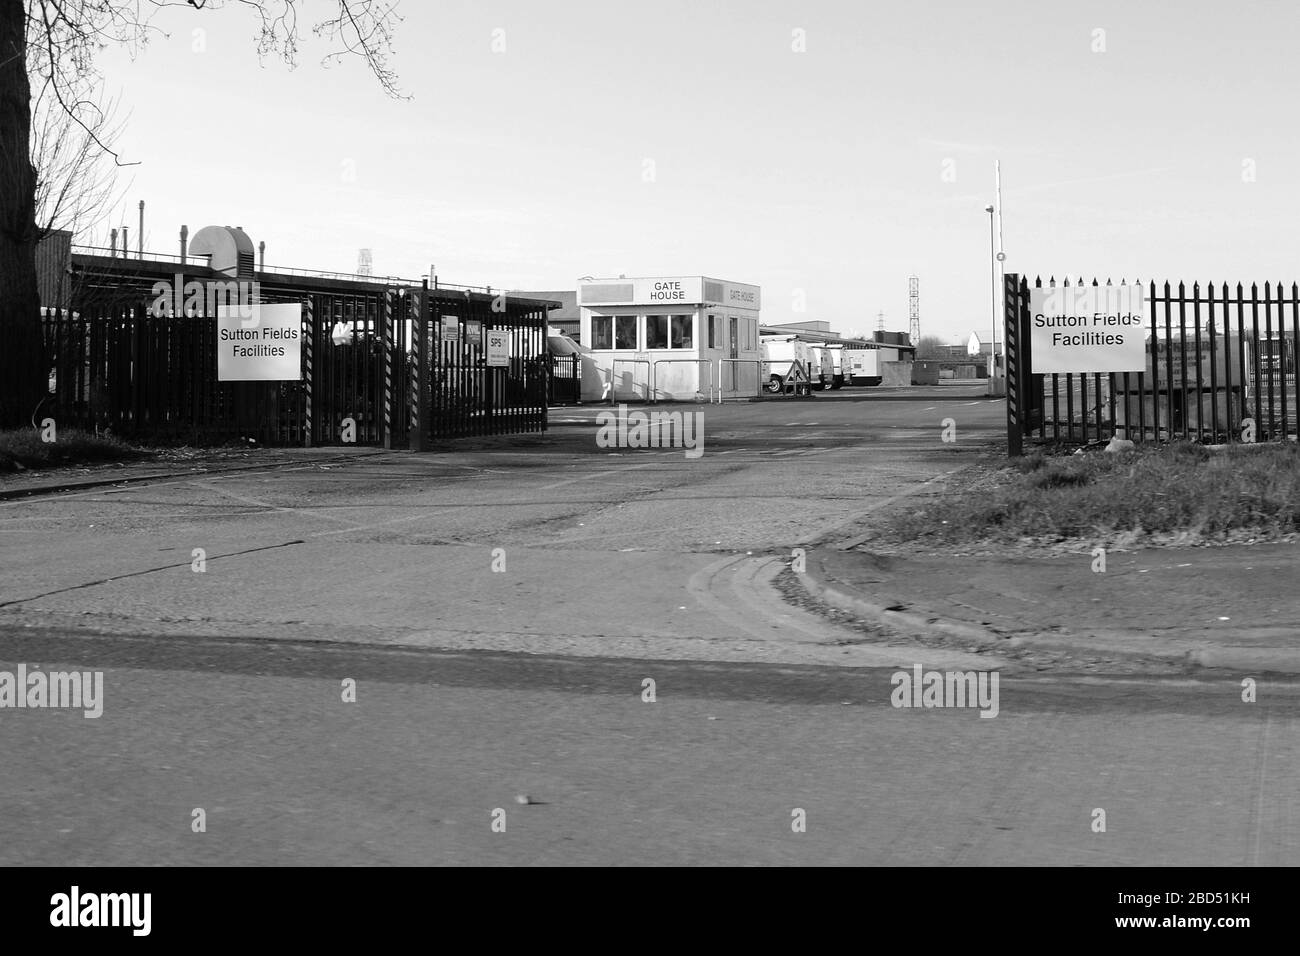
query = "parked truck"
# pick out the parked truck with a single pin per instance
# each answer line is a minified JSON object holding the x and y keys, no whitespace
{"x":863,"y":366}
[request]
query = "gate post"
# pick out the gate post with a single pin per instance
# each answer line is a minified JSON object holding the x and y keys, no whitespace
{"x":308,"y":344}
{"x":1016,"y":370}
{"x":386,"y":343}
{"x":420,"y":371}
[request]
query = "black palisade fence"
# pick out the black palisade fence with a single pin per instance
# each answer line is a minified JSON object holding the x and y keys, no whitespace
{"x":1220,"y":367}
{"x":117,"y":365}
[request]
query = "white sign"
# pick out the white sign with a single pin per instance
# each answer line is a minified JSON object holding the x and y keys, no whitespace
{"x":740,"y":296}
{"x":665,"y":290}
{"x":668,"y":291}
{"x":450,"y":328}
{"x":265,"y":346}
{"x":498,"y":348}
{"x":1087,"y":329}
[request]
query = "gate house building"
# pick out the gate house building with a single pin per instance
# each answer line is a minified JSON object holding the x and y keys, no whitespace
{"x":661,"y":337}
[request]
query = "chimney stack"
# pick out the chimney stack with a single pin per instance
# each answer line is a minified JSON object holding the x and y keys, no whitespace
{"x":112,"y":244}
{"x":261,"y":256}
{"x":185,"y":235}
{"x":139,"y":241}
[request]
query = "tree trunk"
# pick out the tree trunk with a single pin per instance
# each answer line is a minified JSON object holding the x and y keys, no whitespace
{"x":23,"y":370}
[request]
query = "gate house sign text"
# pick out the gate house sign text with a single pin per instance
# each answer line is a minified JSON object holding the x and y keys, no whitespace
{"x":1087,"y":329}
{"x":668,"y":290}
{"x":262,"y":347}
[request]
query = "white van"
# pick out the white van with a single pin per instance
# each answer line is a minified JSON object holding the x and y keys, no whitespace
{"x":815,"y":373}
{"x":779,"y":352}
{"x":836,"y":354}
{"x":828,"y":366}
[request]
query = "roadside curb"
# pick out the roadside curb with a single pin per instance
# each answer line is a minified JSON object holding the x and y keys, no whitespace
{"x":914,"y":625}
{"x":1195,"y":653}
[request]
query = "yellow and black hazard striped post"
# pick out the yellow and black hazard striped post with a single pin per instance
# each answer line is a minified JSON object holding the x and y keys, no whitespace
{"x":386,"y":345}
{"x":1017,"y":368}
{"x":308,"y":342}
{"x":420,"y":369}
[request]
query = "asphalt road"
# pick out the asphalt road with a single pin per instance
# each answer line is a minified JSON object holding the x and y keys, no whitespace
{"x":477,"y":689}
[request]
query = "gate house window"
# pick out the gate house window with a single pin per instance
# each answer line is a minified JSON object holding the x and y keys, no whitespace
{"x":613,"y":331}
{"x":670,"y":332}
{"x":713,"y":339}
{"x":625,"y":332}
{"x":746,"y":337}
{"x":656,"y":332}
{"x":682,"y":328}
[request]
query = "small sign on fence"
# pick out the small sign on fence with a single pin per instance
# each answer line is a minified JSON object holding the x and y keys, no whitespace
{"x":474,"y":332}
{"x":1087,"y":329}
{"x":450,"y":328}
{"x":498,"y":348}
{"x":263,"y":347}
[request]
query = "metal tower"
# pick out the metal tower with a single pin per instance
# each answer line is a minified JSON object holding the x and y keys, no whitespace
{"x":914,"y":308}
{"x":363,"y":262}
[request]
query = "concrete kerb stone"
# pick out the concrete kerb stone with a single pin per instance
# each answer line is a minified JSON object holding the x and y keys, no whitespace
{"x":914,"y":625}
{"x":1127,"y":645}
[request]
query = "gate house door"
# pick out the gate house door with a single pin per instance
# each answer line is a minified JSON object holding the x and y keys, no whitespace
{"x":735,"y":337}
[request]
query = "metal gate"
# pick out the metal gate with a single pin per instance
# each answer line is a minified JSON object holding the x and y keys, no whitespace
{"x":564,"y":386}
{"x":458,"y":387}
{"x":151,"y":374}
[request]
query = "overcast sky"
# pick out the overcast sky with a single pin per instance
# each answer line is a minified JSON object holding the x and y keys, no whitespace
{"x":692,"y":138}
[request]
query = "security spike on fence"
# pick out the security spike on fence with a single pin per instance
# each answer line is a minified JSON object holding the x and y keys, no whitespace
{"x":1094,"y":282}
{"x":1108,"y":282}
{"x":1052,"y":281}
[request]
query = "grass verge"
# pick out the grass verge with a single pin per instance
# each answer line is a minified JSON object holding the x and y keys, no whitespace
{"x":1154,"y":495}
{"x":22,"y":449}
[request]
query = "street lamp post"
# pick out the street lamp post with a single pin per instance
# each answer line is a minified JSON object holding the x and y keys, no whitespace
{"x":993,"y":293}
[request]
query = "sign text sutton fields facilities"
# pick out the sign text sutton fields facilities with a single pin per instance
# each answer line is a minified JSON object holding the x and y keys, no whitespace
{"x":1087,"y":329}
{"x":259,"y":343}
